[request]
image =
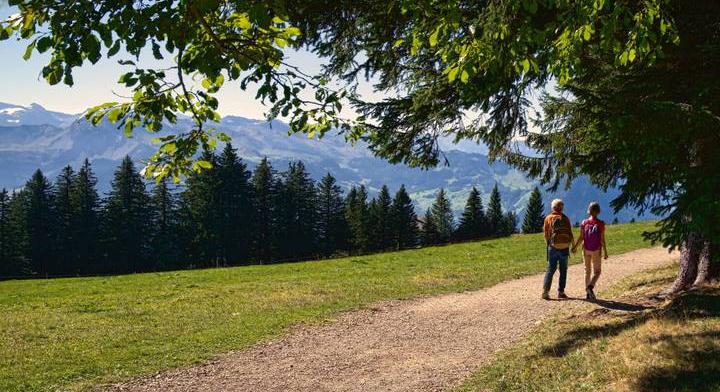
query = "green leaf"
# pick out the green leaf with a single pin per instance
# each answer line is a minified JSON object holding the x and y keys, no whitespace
{"x":464,"y":76}
{"x":631,"y":55}
{"x":452,"y":74}
{"x":434,"y":37}
{"x":204,"y":164}
{"x":526,"y":65}
{"x":28,"y":51}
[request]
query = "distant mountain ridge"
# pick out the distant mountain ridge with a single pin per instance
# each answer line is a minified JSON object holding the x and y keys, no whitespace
{"x":32,"y":137}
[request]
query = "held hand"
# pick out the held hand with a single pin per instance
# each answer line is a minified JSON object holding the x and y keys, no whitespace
{"x":606,"y":256}
{"x":574,"y":250}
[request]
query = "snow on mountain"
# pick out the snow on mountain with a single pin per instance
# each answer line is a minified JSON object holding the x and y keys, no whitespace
{"x":32,"y":137}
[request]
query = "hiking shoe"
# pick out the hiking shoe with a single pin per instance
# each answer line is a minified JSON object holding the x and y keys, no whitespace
{"x":590,"y":294}
{"x":545,"y":295}
{"x":562,"y":295}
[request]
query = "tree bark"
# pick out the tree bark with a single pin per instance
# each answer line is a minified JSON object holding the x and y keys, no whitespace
{"x":689,"y":260}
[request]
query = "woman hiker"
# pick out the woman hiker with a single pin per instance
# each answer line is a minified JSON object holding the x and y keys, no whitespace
{"x":592,"y":236}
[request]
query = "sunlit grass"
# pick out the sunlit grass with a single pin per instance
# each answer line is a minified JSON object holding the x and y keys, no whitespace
{"x":81,"y":332}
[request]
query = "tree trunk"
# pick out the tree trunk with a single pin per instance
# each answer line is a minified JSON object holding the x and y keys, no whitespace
{"x":689,"y":260}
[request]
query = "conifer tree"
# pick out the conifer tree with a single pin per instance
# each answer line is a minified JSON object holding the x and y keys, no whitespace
{"x":127,"y":220}
{"x":297,"y":221}
{"x":356,"y":214}
{"x":510,"y":222}
{"x":65,"y":251}
{"x":404,"y":220}
{"x":495,"y":214}
{"x":40,"y":221}
{"x":86,"y":203}
{"x":442,"y":216}
{"x":199,"y":216}
{"x":332,"y":228}
{"x":235,"y":208}
{"x":380,"y":218}
{"x":534,"y":213}
{"x":6,"y":239}
{"x":472,"y":222}
{"x":430,"y":234}
{"x":164,"y":228}
{"x":19,"y":245}
{"x":264,"y":188}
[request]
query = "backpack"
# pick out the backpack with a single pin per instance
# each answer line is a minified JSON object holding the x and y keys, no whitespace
{"x":591,"y":234}
{"x":560,"y":232}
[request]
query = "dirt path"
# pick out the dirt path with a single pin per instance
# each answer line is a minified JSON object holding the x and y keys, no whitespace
{"x":427,"y":344}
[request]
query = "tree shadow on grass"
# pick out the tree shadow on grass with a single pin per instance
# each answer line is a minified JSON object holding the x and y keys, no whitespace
{"x":695,"y":365}
{"x":695,"y":357}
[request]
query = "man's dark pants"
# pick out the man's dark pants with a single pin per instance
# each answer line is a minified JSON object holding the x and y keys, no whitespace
{"x":556,"y":258}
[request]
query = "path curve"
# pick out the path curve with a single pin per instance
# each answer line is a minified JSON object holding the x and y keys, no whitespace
{"x":426,"y":344}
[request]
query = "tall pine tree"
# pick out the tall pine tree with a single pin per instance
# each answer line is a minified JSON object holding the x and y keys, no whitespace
{"x":356,"y":214}
{"x":6,"y":254}
{"x":380,"y":221}
{"x":495,"y":216}
{"x":442,"y":216}
{"x":19,"y":246}
{"x":86,"y":203}
{"x":472,"y":222}
{"x":534,"y":213}
{"x":332,"y":228}
{"x":404,"y":221}
{"x":40,"y":222}
{"x":65,"y":244}
{"x":265,"y":191}
{"x":429,"y":233}
{"x":235,"y":226}
{"x":199,"y":214}
{"x":127,"y":221}
{"x":297,"y":221}
{"x":164,"y":228}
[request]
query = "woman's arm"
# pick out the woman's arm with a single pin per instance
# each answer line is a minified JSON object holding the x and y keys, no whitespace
{"x":579,"y":241}
{"x":602,"y":239}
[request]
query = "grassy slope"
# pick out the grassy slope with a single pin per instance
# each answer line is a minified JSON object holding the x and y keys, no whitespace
{"x":75,"y":333}
{"x":672,"y":346}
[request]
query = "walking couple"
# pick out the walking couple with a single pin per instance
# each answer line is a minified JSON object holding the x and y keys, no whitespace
{"x":559,"y":240}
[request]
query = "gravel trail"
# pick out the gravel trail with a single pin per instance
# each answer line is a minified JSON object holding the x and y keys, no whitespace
{"x":426,"y":344}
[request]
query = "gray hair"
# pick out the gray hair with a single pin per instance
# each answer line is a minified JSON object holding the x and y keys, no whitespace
{"x":557,"y":205}
{"x":594,"y":206}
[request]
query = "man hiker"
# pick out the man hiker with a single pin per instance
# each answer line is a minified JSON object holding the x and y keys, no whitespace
{"x":558,"y":239}
{"x":592,"y":236}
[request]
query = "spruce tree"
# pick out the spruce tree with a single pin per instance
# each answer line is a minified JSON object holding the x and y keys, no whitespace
{"x":404,"y":220}
{"x":5,"y":234}
{"x":126,"y":221}
{"x":380,"y":218}
{"x":472,"y":222}
{"x":356,"y":214}
{"x":510,"y":222}
{"x":40,"y":221}
{"x":430,"y":234}
{"x":534,"y":213}
{"x":86,"y":204}
{"x":164,"y":229}
{"x":199,"y":216}
{"x":235,"y":208}
{"x":442,"y":216}
{"x":65,"y":250}
{"x":332,"y":228}
{"x":495,"y":214}
{"x":19,"y":245}
{"x":265,"y":192}
{"x":297,"y":221}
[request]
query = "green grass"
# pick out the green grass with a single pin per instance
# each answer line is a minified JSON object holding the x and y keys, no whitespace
{"x":671,"y":345}
{"x":77,"y":333}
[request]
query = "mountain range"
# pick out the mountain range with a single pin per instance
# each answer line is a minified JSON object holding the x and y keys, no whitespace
{"x":32,"y":137}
